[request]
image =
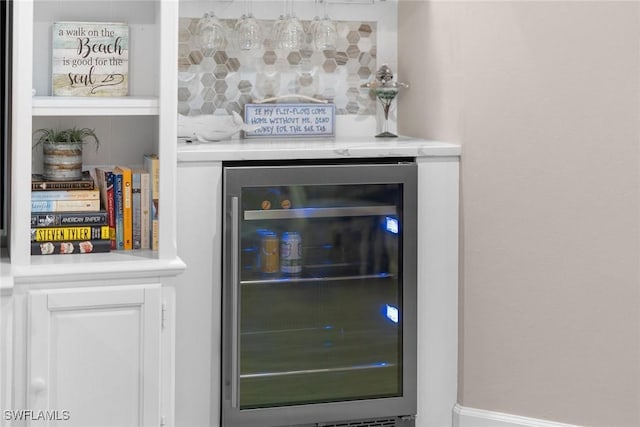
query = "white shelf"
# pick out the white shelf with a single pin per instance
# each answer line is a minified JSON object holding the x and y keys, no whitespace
{"x":100,"y":266}
{"x":98,"y":106}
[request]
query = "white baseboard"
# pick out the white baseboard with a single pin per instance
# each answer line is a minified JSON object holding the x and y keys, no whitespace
{"x":471,"y":417}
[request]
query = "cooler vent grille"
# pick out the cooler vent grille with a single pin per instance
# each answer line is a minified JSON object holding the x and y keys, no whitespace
{"x":388,"y":422}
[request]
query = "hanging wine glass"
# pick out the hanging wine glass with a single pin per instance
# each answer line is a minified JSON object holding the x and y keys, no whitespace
{"x":311,"y":33}
{"x":311,"y":30}
{"x":325,"y":34}
{"x":291,"y":34}
{"x":211,"y":33}
{"x":277,"y":28}
{"x":248,"y":31}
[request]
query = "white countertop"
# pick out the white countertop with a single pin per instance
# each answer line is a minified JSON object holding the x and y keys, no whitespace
{"x":272,"y":149}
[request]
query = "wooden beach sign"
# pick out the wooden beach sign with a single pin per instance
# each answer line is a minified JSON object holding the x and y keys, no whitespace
{"x":90,"y":59}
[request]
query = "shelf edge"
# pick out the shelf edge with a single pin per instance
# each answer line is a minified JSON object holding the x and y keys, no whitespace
{"x":99,"y":270}
{"x":78,"y":106}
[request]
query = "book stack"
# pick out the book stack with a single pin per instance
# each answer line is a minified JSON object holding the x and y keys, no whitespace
{"x":129,"y":196}
{"x":66,"y":217}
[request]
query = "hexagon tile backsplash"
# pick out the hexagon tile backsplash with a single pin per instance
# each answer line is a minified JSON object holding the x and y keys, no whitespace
{"x":221,"y":81}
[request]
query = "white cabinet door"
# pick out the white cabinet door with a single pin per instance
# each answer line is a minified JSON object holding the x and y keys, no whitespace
{"x":94,"y":356}
{"x":6,"y":351}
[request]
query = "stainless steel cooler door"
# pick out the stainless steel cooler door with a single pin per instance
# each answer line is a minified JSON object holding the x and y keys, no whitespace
{"x":329,"y":332}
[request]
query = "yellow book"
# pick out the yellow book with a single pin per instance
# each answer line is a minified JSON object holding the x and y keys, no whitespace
{"x":127,"y":204}
{"x":59,"y":234}
{"x":152,"y":165}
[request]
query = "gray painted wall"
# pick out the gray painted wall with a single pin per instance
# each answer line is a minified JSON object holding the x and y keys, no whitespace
{"x":545,"y":98}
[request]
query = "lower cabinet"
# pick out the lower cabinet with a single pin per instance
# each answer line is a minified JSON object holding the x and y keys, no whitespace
{"x":6,"y":348}
{"x":94,"y":356}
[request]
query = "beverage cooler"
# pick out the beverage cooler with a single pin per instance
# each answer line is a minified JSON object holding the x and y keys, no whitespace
{"x":319,"y":294}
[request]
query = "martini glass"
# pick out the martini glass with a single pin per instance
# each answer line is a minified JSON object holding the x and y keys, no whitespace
{"x":385,"y":90}
{"x":386,"y":95}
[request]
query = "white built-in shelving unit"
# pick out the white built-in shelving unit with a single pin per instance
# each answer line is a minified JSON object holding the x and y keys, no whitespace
{"x":120,"y":302}
{"x":128,"y":127}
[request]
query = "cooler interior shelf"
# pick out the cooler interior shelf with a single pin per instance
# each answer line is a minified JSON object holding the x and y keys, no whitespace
{"x":303,"y":278}
{"x":252,"y":215}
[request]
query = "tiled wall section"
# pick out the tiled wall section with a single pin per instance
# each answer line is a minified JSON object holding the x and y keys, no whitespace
{"x":219,"y":82}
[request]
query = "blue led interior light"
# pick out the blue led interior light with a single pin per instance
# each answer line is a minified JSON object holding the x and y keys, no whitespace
{"x":392,"y":313}
{"x":391,"y":225}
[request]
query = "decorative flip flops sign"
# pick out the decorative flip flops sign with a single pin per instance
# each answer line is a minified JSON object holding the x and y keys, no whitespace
{"x":290,"y":120}
{"x":90,"y":59}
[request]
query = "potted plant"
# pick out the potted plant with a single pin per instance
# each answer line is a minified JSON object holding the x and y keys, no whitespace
{"x":62,"y":151}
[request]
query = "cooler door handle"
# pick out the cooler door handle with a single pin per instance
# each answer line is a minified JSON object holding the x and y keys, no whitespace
{"x":235,"y":300}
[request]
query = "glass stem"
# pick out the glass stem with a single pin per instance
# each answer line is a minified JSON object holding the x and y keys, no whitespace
{"x":386,"y":106}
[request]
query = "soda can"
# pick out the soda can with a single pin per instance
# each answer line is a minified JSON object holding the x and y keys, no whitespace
{"x":269,"y":259}
{"x":291,"y":253}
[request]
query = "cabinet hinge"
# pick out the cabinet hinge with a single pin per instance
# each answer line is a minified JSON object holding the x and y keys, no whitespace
{"x":164,"y":314}
{"x":162,"y":422}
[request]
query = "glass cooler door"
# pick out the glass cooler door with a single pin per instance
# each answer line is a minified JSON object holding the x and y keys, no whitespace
{"x":319,"y":296}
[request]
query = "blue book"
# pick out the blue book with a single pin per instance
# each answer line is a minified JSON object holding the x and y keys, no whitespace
{"x":66,"y":195}
{"x":119,"y":209}
{"x":65,"y":205}
{"x":104,"y":178}
{"x":136,"y":209}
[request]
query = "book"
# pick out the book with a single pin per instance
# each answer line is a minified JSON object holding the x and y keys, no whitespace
{"x":127,"y":212}
{"x":39,"y":183}
{"x":152,"y":165}
{"x":57,"y":219}
{"x":145,"y":207}
{"x":118,"y":208}
{"x":104,"y":178}
{"x":55,"y":234}
{"x":66,"y":195}
{"x":90,"y":59}
{"x":65,"y":205}
{"x":141,"y":197}
{"x":136,"y":230}
{"x":70,"y":247}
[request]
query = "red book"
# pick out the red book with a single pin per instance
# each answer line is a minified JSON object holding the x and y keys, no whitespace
{"x":104,"y":177}
{"x":127,"y":201}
